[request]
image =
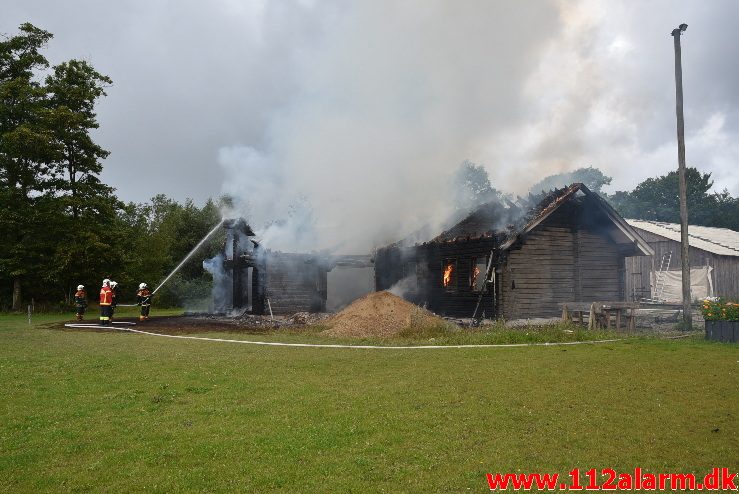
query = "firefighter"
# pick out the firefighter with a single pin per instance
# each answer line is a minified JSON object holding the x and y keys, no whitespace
{"x":114,"y":303}
{"x":106,"y":300}
{"x":80,"y":300}
{"x":143,"y":298}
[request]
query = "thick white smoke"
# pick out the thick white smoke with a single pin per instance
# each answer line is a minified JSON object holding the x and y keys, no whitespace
{"x":221,"y":291}
{"x":392,"y":98}
{"x":388,"y":98}
{"x":526,"y":87}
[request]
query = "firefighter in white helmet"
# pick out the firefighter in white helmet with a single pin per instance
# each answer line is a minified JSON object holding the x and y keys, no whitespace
{"x":106,"y":299}
{"x":80,"y":300}
{"x":143,"y":298}
{"x":114,"y":304}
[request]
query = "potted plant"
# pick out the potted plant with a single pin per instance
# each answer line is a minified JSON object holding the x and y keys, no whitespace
{"x":722,"y":319}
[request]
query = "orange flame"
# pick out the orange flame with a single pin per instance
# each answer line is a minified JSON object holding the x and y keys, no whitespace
{"x":448,"y":274}
{"x":475,"y":274}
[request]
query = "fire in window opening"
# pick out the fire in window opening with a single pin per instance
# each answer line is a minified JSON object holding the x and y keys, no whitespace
{"x":449,"y":274}
{"x":477,"y":273}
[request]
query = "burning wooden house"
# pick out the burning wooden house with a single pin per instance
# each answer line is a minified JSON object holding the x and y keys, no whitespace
{"x":258,"y":280}
{"x":571,"y":247}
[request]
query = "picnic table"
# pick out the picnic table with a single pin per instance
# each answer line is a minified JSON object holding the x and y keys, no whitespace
{"x":601,"y":314}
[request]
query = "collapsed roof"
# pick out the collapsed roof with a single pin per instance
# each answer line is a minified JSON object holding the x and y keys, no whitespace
{"x":512,"y":222}
{"x":623,"y":234}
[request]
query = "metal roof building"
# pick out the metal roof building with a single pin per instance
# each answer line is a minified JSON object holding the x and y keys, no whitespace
{"x":714,"y":260}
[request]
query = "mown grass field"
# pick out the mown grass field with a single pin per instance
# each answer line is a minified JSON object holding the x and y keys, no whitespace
{"x":99,"y":411}
{"x":417,"y":337}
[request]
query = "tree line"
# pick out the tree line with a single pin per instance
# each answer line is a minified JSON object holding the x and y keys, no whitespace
{"x":60,"y":226}
{"x":653,"y":199}
{"x":656,"y":198}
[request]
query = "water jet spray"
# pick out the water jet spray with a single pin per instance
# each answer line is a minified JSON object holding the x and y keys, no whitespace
{"x":188,"y":256}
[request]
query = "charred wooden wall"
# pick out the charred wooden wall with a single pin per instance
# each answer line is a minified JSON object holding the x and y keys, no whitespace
{"x":419,"y":270}
{"x":258,"y":279}
{"x":566,"y":258}
{"x":403,"y":269}
{"x":390,"y":265}
{"x":725,"y":268}
{"x":459,"y":298}
{"x":293,"y":283}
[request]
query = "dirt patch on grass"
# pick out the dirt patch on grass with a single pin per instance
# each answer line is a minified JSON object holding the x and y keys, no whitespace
{"x":205,"y":323}
{"x":379,"y":315}
{"x":187,"y":325}
{"x":168,"y":325}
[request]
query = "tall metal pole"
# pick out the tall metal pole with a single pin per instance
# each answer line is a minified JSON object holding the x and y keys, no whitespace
{"x":684,"y":246}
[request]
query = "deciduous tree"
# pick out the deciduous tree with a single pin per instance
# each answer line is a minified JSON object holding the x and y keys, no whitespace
{"x":593,"y":178}
{"x":26,"y":150}
{"x":657,"y":199}
{"x":73,"y":89}
{"x":472,"y":186}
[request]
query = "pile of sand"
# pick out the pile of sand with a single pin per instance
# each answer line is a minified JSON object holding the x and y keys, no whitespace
{"x":379,"y":315}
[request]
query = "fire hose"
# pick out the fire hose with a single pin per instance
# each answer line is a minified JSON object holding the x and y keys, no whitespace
{"x":365,"y":347}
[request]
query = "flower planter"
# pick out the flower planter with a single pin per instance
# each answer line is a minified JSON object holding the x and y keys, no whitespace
{"x":726,"y":331}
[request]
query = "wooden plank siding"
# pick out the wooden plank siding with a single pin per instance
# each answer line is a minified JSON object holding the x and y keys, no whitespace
{"x":294,"y":283}
{"x":601,"y":268}
{"x":561,"y":260}
{"x":725,"y":273}
{"x":538,"y":275}
{"x":571,"y":249}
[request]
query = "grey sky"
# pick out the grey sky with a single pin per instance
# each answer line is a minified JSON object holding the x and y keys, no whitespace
{"x":365,"y":108}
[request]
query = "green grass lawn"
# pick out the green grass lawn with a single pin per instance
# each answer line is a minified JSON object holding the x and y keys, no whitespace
{"x":117,"y":412}
{"x":20,"y":320}
{"x":447,"y":334}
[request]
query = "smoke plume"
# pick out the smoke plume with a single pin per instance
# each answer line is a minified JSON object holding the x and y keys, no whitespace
{"x":390,"y":103}
{"x":368,"y":106}
{"x":389,"y":98}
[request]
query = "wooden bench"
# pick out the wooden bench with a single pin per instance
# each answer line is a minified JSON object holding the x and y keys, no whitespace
{"x":600,"y":314}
